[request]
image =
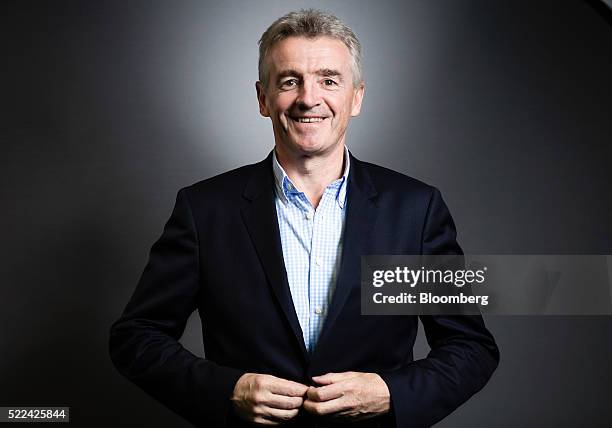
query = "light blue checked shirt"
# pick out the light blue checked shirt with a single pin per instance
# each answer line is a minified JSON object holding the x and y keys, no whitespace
{"x":312,"y":246}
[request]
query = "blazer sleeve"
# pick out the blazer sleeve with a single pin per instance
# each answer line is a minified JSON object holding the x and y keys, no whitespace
{"x":463,"y":352}
{"x":144,"y":341}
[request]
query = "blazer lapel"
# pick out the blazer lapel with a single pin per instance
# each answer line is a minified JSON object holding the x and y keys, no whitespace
{"x":360,"y":218}
{"x":259,"y":215}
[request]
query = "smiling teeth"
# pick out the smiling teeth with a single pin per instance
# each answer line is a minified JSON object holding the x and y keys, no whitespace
{"x":309,"y":119}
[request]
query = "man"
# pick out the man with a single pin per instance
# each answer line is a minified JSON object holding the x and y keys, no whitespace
{"x":269,"y":254}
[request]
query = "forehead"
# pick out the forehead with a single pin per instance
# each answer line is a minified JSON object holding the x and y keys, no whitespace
{"x":306,"y":54}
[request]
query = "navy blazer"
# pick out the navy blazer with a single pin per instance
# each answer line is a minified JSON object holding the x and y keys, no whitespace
{"x":220,"y":253}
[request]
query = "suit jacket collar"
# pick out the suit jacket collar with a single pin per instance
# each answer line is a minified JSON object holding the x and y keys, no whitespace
{"x":259,"y":215}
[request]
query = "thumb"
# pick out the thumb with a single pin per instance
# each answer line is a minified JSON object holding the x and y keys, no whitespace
{"x":329,"y":378}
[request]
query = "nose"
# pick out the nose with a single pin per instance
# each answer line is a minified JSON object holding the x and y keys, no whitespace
{"x":308,"y":96}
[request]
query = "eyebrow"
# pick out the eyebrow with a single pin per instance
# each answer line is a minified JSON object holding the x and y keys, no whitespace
{"x":326,"y":72}
{"x":287,"y":73}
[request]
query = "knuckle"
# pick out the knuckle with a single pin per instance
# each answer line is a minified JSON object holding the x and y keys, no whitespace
{"x":287,"y":415}
{"x":257,"y":382}
{"x":258,"y":396}
{"x":317,"y":410}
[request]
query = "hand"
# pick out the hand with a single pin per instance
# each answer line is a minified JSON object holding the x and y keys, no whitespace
{"x":348,"y":395}
{"x":266,"y":399}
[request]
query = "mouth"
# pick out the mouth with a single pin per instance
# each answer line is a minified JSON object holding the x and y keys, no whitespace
{"x":307,"y":119}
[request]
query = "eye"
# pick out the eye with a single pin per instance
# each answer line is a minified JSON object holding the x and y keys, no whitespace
{"x":329,"y":82}
{"x":289,"y":83}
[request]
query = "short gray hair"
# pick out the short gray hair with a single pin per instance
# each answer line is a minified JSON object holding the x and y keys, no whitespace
{"x":310,"y":23}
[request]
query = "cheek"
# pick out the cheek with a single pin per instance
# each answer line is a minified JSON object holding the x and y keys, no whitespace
{"x":283,"y":102}
{"x":339,"y":105}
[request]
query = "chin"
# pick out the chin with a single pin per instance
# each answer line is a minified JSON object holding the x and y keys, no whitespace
{"x":310,"y":147}
{"x":312,"y":144}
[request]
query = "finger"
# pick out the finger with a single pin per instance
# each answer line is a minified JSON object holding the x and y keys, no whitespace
{"x":329,"y":378}
{"x":268,"y":416}
{"x":279,"y":415}
{"x":260,"y":415}
{"x":282,"y":401}
{"x":311,"y":394}
{"x":325,"y":379}
{"x":260,"y":420}
{"x":326,"y":393}
{"x":286,"y":387}
{"x":326,"y":407}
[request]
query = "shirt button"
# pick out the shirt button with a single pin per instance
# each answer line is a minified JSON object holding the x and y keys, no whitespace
{"x":308,"y":215}
{"x":318,"y":261}
{"x":318,"y":310}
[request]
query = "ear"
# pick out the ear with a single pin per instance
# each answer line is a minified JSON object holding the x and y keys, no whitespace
{"x":261,"y":98}
{"x":357,"y":99}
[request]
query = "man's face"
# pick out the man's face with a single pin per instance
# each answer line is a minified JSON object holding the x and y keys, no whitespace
{"x":310,"y":95}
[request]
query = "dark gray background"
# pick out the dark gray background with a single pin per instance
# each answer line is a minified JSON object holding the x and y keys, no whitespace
{"x":108,"y":108}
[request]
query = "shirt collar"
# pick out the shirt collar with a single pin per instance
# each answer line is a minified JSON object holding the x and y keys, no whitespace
{"x":284,"y":187}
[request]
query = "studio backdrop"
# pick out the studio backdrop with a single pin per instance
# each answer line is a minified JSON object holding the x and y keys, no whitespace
{"x":108,"y":108}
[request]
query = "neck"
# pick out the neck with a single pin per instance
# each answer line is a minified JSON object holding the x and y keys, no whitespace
{"x":312,"y":174}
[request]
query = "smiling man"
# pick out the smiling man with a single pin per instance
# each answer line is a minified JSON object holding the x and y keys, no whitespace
{"x":269,"y":254}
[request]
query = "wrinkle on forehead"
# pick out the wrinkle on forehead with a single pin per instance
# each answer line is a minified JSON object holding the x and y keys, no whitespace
{"x":310,"y":57}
